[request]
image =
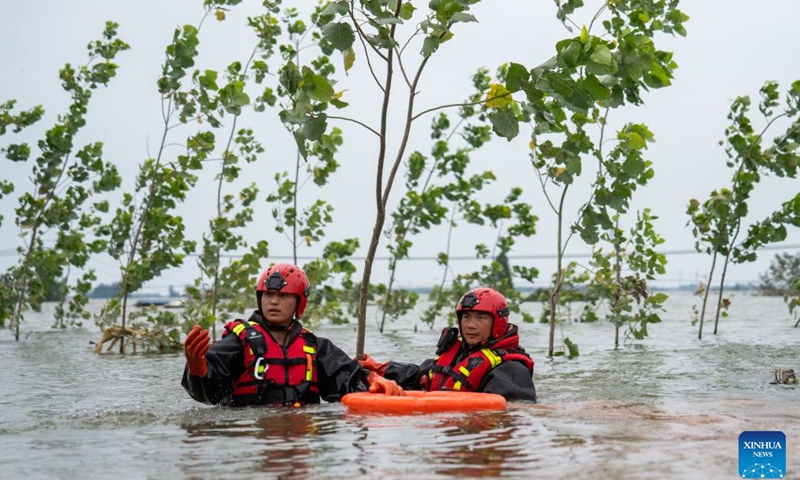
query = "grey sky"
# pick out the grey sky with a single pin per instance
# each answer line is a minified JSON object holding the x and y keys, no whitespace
{"x":732,"y":47}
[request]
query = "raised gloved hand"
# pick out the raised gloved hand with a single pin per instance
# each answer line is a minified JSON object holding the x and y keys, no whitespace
{"x":195,"y":348}
{"x":369,"y":363}
{"x":378,"y":384}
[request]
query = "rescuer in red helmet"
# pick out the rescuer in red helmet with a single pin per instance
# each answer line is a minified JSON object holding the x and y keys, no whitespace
{"x":271,"y":358}
{"x":481,"y":355}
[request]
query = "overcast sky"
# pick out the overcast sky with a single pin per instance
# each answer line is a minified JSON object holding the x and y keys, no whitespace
{"x":732,"y":48}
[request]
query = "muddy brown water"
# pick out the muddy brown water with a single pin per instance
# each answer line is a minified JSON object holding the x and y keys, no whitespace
{"x":666,"y":407}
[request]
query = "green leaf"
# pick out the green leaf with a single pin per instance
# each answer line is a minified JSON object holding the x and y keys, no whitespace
{"x":241,"y":99}
{"x":593,"y":87}
{"x":290,"y":78}
{"x":463,"y":17}
{"x":430,"y":45}
{"x":340,"y":35}
{"x":316,"y":86}
{"x":407,"y":11}
{"x":505,"y":123}
{"x":516,"y":77}
{"x":300,"y":139}
{"x":601,"y":61}
{"x":635,"y":140}
{"x":634,"y":166}
{"x":657,"y":77}
{"x":571,"y":347}
{"x":341,"y":8}
{"x":315,"y":126}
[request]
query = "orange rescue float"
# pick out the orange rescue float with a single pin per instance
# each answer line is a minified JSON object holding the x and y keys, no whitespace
{"x":423,"y":402}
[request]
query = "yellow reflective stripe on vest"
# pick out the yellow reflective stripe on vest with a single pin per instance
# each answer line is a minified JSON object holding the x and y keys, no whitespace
{"x":242,"y":325}
{"x":457,"y":386}
{"x":494,"y":359}
{"x":309,"y":362}
{"x":464,"y":370}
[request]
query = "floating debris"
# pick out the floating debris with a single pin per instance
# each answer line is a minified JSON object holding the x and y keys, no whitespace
{"x":784,"y":377}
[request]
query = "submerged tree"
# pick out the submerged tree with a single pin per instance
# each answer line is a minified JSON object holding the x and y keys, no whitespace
{"x":431,"y":184}
{"x":778,"y":278}
{"x":621,"y":275}
{"x":377,"y":27}
{"x":613,"y":69}
{"x":63,"y":182}
{"x":783,"y":279}
{"x":574,"y":91}
{"x":146,"y":234}
{"x":793,"y":299}
{"x":719,"y":223}
{"x":225,"y":289}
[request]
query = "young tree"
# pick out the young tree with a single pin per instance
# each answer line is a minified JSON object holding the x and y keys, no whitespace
{"x":377,"y":25}
{"x":777,"y":280}
{"x":429,"y":182}
{"x":613,"y":69}
{"x":620,"y":276}
{"x":63,"y":182}
{"x":146,"y":234}
{"x":719,"y":221}
{"x":793,"y":299}
{"x":572,"y":92}
{"x":225,"y":290}
{"x":783,"y":278}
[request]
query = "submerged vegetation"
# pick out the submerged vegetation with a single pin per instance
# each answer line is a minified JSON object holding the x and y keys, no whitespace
{"x":566,"y":104}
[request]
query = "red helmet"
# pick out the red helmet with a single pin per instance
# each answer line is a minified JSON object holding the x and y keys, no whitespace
{"x":285,"y":278}
{"x":487,"y":300}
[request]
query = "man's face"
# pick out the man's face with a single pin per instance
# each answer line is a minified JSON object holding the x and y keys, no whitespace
{"x":476,"y":327}
{"x":278,"y":308}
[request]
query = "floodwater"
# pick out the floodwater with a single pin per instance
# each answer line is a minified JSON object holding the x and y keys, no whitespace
{"x":666,"y":407}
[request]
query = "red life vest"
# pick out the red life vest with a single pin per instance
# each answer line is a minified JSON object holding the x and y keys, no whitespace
{"x":272,"y":374}
{"x":468,"y":374}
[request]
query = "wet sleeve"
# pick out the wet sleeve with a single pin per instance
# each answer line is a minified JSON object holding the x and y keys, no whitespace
{"x":337,"y":373}
{"x":408,"y":375}
{"x":225,"y":361}
{"x":511,"y":380}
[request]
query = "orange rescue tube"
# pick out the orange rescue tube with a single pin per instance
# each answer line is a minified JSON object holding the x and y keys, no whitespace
{"x":423,"y":402}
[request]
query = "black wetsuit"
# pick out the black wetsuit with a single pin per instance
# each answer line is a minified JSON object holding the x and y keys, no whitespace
{"x":337,"y":373}
{"x":511,"y":379}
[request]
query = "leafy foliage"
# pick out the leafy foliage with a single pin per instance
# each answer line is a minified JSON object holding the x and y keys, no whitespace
{"x":783,"y":278}
{"x":226,"y":291}
{"x":574,"y":91}
{"x":779,"y":277}
{"x":719,"y":222}
{"x":63,"y":182}
{"x":146,"y":235}
{"x":620,"y":277}
{"x":430,"y":183}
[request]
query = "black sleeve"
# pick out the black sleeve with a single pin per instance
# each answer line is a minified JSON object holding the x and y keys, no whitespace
{"x":225,"y":360}
{"x":337,"y":373}
{"x":407,"y":375}
{"x":511,"y":380}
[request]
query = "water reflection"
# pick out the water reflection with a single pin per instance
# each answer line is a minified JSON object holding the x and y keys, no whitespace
{"x":277,"y":441}
{"x":461,"y":445}
{"x":485,"y":445}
